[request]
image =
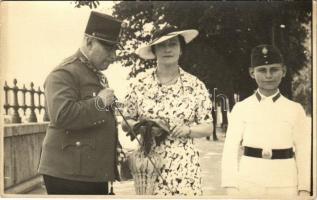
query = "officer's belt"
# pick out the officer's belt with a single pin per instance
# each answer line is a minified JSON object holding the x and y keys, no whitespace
{"x":272,"y":154}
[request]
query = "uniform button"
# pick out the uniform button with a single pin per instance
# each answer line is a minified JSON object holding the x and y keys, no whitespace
{"x":95,"y":123}
{"x":67,"y":132}
{"x":77,"y":143}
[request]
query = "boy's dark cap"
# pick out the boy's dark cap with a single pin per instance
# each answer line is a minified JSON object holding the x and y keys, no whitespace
{"x":104,"y":27}
{"x":265,"y":54}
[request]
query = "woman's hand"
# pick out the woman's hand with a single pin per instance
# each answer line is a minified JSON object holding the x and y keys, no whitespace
{"x":181,"y":131}
{"x":163,"y":124}
{"x":193,"y":131}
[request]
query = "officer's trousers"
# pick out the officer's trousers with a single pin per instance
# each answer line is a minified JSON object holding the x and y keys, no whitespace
{"x":56,"y":185}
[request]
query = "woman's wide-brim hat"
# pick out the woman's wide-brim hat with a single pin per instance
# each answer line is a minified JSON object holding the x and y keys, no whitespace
{"x":145,"y":51}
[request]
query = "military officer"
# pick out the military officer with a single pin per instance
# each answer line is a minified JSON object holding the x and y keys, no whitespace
{"x":79,"y":150}
{"x":273,"y":133}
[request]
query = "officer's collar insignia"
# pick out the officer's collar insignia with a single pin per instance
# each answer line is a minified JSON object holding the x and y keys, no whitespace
{"x":274,"y":99}
{"x":265,"y":50}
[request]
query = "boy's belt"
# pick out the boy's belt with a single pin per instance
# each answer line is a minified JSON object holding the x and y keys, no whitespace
{"x":269,"y":154}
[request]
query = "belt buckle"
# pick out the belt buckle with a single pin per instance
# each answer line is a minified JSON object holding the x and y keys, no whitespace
{"x":267,"y":153}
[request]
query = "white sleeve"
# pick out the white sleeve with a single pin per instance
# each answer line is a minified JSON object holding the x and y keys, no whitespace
{"x":232,"y":142}
{"x":302,"y":143}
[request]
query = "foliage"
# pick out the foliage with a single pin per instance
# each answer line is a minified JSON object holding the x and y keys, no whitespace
{"x":302,"y":86}
{"x":220,"y":55}
{"x":90,"y":4}
{"x":302,"y":90}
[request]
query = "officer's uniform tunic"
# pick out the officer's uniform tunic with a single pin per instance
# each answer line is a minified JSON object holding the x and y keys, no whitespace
{"x":267,"y":123}
{"x":81,"y":140}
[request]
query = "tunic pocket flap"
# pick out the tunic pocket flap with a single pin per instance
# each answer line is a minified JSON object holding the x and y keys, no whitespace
{"x":87,"y":94}
{"x":78,"y":141}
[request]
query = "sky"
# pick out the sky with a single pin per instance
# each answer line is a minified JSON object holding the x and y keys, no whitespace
{"x":37,"y":36}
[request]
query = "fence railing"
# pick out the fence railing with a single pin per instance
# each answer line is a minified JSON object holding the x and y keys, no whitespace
{"x":27,"y":104}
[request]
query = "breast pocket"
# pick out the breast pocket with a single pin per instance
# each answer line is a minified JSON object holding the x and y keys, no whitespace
{"x":79,"y":149}
{"x":88,"y":92}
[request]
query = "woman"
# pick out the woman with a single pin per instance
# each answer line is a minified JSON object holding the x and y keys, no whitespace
{"x":168,"y":93}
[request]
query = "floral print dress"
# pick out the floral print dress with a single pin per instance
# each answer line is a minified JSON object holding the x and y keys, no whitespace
{"x":185,"y":102}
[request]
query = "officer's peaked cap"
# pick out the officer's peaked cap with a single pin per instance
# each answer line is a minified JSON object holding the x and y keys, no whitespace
{"x":104,"y":28}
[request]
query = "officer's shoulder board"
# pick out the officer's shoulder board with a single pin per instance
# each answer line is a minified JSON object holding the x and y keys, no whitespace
{"x":68,"y":60}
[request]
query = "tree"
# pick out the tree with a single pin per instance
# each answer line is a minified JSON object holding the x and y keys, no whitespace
{"x":90,"y":4}
{"x":220,"y":55}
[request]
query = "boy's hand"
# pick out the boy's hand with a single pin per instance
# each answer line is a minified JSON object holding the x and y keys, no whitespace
{"x":303,"y":193}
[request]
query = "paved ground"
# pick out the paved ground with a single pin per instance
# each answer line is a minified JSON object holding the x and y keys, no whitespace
{"x":210,"y":157}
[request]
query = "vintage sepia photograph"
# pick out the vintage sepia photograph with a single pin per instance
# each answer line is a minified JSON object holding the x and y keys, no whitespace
{"x":158,"y":99}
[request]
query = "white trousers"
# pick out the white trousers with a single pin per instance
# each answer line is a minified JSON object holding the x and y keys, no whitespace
{"x":248,"y":189}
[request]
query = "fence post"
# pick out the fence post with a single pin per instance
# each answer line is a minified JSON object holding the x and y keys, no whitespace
{"x":39,"y":92}
{"x":214,"y":115}
{"x":6,"y":105}
{"x":24,"y":106}
{"x":16,"y":117}
{"x":32,"y":117}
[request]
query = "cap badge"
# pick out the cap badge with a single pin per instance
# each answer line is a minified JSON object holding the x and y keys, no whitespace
{"x":264,"y":50}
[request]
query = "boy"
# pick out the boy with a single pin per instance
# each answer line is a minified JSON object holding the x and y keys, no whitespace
{"x":273,"y":132}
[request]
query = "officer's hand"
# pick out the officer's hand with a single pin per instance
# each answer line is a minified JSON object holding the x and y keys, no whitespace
{"x":232,"y":191}
{"x":303,"y":193}
{"x":107,"y":96}
{"x":125,"y":126}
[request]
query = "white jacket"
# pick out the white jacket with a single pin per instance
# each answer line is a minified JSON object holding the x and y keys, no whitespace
{"x":267,"y":124}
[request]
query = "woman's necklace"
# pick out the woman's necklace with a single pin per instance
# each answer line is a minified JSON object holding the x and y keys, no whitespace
{"x":158,"y":96}
{"x":174,"y":76}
